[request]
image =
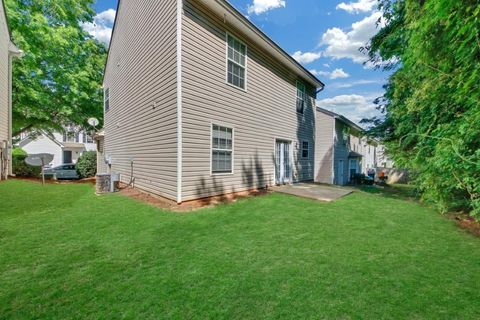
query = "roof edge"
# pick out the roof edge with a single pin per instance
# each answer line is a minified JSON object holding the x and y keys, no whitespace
{"x":111,"y":40}
{"x":267,"y":39}
{"x":341,"y":118}
{"x":241,"y":17}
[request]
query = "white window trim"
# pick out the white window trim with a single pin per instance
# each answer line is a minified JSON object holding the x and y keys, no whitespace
{"x":301,"y":150}
{"x":227,"y":34}
{"x":304,"y":96}
{"x":219,"y":124}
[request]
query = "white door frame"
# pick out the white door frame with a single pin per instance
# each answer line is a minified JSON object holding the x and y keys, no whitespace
{"x":290,"y":159}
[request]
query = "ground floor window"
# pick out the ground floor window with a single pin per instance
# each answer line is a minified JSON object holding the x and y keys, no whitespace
{"x":222,"y":149}
{"x":305,"y":150}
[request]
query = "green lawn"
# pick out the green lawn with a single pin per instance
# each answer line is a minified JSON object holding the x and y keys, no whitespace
{"x":66,"y":253}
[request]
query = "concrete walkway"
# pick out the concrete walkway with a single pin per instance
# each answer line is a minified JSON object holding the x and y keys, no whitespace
{"x":314,"y":191}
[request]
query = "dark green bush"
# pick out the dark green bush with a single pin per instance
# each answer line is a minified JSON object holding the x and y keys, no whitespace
{"x":20,"y":168}
{"x":87,"y":164}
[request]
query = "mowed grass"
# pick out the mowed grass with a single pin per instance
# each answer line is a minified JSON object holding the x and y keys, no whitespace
{"x":68,"y":254}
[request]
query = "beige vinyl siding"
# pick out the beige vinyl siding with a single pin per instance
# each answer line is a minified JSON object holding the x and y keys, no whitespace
{"x":101,"y":165}
{"x":266,"y":110}
{"x":141,"y":124}
{"x":324,"y":148}
{"x":4,"y":81}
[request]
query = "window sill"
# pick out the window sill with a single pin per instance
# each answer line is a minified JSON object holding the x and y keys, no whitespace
{"x":221,"y":174}
{"x":234,"y":86}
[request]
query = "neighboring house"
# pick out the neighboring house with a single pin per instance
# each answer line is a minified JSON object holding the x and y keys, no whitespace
{"x":341,"y":149}
{"x":7,"y":52}
{"x":199,"y":102}
{"x":66,"y":147}
{"x":382,"y":158}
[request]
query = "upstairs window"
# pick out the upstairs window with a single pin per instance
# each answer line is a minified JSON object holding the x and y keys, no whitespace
{"x":222,"y":150}
{"x":305,"y":149}
{"x":106,"y":99}
{"x":87,"y":138}
{"x":237,"y":63}
{"x":301,"y":97}
{"x":69,"y":136}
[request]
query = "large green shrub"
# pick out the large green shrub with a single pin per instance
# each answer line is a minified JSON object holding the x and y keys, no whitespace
{"x":20,"y":168}
{"x":87,"y":164}
{"x":432,"y":100}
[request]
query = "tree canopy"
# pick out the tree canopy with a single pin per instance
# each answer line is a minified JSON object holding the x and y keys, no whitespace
{"x":58,"y":81}
{"x":431,"y":121}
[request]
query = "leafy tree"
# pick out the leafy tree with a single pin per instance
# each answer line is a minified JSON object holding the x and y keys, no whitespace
{"x":58,"y":81}
{"x":432,"y":101}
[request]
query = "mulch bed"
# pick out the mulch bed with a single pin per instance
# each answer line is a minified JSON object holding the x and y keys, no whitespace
{"x":188,"y":206}
{"x":51,"y":181}
{"x":466,"y":222}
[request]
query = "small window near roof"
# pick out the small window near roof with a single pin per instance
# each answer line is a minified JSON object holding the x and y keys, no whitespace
{"x":305,"y":149}
{"x":87,"y":138}
{"x":237,"y":62}
{"x":106,"y":99}
{"x":69,"y":136}
{"x":301,"y":99}
{"x":222,"y":150}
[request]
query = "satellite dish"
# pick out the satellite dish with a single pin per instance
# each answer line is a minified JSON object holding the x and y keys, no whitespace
{"x":39,"y":160}
{"x":93,"y":122}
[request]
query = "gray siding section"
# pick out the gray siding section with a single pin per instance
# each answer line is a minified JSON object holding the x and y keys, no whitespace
{"x":141,"y":74}
{"x":265,"y":112}
{"x":324,"y":148}
{"x":342,"y":150}
{"x":4,"y":81}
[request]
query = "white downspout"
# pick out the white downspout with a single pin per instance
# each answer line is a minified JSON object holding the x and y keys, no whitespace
{"x":179,"y":102}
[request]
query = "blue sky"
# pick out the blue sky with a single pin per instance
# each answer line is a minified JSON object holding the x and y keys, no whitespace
{"x":323,"y":35}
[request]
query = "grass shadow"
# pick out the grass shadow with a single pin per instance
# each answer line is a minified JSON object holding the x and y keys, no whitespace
{"x":396,"y":191}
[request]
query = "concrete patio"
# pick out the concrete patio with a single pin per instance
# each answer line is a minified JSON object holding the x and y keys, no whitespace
{"x":314,"y":191}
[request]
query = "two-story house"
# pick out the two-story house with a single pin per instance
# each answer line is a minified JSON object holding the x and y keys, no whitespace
{"x":342,"y":150}
{"x":65,"y":147}
{"x":199,"y":102}
{"x":7,"y":52}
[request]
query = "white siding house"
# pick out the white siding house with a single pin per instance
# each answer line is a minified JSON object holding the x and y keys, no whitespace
{"x":341,"y":149}
{"x":65,"y":147}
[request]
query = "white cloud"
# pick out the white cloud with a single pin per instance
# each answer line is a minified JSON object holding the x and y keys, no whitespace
{"x":345,"y":45}
{"x":262,"y":6}
{"x":358,"y":7}
{"x":106,"y":17}
{"x":355,"y":107}
{"x":344,"y":85}
{"x":306,"y":57}
{"x":335,"y":74}
{"x":101,"y":27}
